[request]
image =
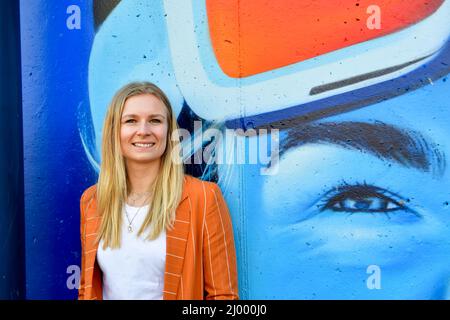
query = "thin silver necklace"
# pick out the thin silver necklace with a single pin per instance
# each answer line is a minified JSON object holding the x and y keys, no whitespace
{"x":138,"y":196}
{"x":130,"y":223}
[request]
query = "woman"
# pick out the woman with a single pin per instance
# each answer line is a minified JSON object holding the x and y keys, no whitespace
{"x":147,"y":230}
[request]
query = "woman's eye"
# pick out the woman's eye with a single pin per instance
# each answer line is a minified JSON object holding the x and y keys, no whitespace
{"x":362,"y":198}
{"x":130,"y":121}
{"x":155,"y":121}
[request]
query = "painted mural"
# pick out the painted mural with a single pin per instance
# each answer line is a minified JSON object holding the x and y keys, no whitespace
{"x":325,"y":124}
{"x":358,"y":207}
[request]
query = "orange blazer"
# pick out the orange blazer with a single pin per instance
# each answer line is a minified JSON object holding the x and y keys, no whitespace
{"x":200,"y":251}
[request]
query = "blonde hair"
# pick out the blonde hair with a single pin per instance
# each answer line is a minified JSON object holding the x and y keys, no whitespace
{"x":113,"y":186}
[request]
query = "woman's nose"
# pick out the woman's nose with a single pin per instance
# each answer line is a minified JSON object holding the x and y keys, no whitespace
{"x":144,"y":128}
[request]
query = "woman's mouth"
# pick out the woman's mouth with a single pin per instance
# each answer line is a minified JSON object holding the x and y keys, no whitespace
{"x":143,"y":145}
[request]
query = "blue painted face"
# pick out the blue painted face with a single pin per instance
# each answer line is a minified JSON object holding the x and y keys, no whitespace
{"x":339,"y":209}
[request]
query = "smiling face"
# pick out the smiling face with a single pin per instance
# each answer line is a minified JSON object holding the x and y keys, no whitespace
{"x":143,"y":130}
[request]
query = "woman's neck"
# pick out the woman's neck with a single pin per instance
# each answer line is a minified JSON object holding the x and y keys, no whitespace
{"x":141,"y":176}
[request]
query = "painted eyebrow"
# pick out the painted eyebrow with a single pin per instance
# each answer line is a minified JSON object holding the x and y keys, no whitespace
{"x":406,"y":147}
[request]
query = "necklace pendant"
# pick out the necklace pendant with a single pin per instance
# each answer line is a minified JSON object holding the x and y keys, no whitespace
{"x":130,"y":229}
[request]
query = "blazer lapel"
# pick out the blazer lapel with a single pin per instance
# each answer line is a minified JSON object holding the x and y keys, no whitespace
{"x":176,"y":242}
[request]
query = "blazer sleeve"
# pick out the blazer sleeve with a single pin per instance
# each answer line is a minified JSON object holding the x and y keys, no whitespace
{"x":219,"y":253}
{"x":83,"y":203}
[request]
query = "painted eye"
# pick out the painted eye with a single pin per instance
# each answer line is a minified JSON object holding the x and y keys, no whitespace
{"x":365,"y":204}
{"x":362,"y":198}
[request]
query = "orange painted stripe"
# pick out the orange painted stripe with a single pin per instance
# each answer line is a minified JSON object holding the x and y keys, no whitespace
{"x":250,"y":37}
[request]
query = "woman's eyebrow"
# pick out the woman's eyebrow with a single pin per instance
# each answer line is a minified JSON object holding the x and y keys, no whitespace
{"x":406,"y":147}
{"x":131,"y":115}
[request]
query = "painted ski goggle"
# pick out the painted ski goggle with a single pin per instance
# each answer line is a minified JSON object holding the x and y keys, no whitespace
{"x":236,"y":59}
{"x":262,"y":36}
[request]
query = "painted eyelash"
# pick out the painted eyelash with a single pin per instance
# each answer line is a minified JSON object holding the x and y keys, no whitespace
{"x":374,"y":190}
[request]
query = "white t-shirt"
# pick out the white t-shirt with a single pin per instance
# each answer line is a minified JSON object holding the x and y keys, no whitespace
{"x":135,"y":271}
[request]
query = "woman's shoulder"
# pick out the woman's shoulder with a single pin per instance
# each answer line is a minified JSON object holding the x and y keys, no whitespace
{"x":193,"y":183}
{"x":89,"y":193}
{"x":86,"y":202}
{"x":197,"y":188}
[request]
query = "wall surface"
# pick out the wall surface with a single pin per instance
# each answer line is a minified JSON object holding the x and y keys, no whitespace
{"x":54,"y":85}
{"x":12,"y":273}
{"x":336,"y":113}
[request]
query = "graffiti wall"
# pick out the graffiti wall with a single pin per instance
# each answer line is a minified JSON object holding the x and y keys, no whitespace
{"x":325,"y":124}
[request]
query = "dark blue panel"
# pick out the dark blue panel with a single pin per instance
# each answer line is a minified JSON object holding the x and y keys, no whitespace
{"x":11,"y":163}
{"x":54,"y":70}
